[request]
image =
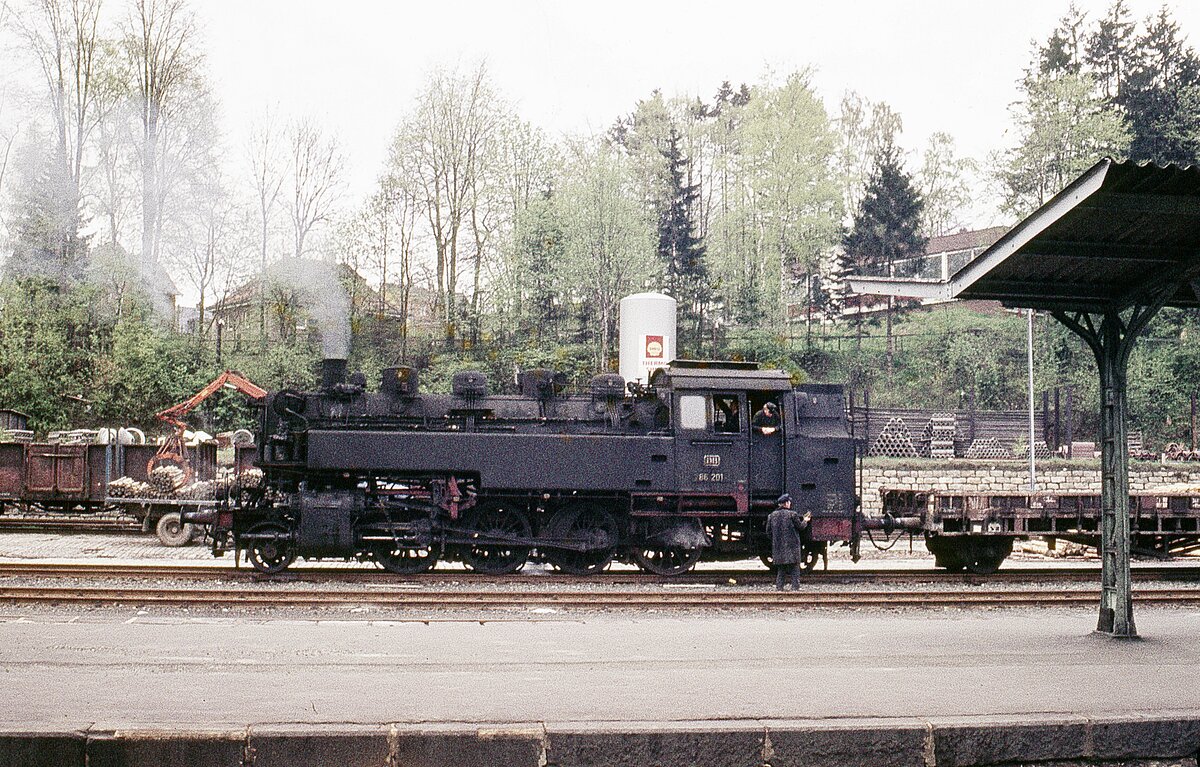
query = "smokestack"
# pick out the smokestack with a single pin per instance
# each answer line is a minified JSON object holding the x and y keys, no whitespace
{"x":333,"y":372}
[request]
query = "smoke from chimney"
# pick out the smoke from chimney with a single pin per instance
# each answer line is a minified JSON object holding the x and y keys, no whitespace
{"x":321,"y":293}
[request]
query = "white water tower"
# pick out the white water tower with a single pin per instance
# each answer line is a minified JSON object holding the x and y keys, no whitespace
{"x":647,"y":334}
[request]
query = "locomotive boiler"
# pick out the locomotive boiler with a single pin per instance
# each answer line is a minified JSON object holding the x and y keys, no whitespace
{"x":659,"y":474}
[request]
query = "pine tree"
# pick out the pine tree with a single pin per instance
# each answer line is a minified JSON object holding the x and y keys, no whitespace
{"x":1110,"y":50}
{"x":47,"y":220}
{"x":542,"y":245}
{"x":887,"y":225}
{"x":1162,"y":96}
{"x":680,"y":249}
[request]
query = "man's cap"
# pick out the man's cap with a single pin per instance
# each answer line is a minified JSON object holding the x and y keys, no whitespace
{"x":771,"y":406}
{"x":785,"y":498}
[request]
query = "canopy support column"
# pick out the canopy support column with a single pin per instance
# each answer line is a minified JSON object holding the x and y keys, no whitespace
{"x":1111,"y":343}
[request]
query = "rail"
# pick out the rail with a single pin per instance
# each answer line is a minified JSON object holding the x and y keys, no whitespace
{"x":479,"y":599}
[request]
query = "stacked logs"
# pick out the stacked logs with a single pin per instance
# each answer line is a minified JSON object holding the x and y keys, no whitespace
{"x":128,"y":487}
{"x":167,"y":480}
{"x":168,"y":483}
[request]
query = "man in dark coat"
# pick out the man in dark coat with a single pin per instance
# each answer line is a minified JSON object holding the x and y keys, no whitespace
{"x":786,"y":529}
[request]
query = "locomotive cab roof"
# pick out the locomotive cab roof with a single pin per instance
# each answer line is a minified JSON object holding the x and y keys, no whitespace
{"x":697,"y":374}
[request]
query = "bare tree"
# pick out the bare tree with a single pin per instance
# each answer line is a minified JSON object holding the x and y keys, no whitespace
{"x":159,"y":42}
{"x":267,"y":171}
{"x":114,"y":183}
{"x":441,"y":147}
{"x":6,"y":144}
{"x":380,"y":237}
{"x":944,"y":182}
{"x":63,"y":37}
{"x":316,"y":180}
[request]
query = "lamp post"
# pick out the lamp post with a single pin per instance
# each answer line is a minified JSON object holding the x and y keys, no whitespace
{"x":1029,"y":350}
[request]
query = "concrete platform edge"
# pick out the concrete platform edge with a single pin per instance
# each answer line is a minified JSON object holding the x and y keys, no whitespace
{"x":870,"y":742}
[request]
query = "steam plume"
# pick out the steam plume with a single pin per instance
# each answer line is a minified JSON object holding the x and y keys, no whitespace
{"x":320,"y":292}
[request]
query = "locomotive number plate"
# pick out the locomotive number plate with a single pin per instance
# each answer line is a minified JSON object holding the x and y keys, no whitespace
{"x":715,"y":476}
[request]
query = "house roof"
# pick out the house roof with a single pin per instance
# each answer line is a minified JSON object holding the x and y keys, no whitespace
{"x":1113,"y":237}
{"x":964,"y":240}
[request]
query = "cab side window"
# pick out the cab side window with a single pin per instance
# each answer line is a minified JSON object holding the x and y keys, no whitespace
{"x":693,"y":412}
{"x":726,"y":415}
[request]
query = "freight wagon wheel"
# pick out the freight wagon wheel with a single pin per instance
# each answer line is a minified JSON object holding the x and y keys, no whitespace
{"x":172,"y":531}
{"x":588,"y":527}
{"x":985,"y":557}
{"x":948,"y":553}
{"x":270,"y":554}
{"x":497,"y":520}
{"x":405,"y":560}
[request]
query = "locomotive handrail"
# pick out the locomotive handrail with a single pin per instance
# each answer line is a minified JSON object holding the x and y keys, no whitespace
{"x":714,"y":442}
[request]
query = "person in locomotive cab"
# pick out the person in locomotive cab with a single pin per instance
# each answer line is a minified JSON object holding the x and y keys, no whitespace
{"x":766,"y":420}
{"x":786,"y":529}
{"x":725,"y":415}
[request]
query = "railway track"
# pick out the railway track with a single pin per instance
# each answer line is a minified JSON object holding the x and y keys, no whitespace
{"x":476,"y":599}
{"x":715,"y":577}
{"x":80,"y":524}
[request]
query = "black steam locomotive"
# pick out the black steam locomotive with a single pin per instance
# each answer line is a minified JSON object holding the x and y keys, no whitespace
{"x":659,"y":474}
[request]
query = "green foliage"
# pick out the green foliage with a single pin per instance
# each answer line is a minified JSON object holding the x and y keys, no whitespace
{"x":47,"y":340}
{"x":608,"y":236}
{"x":791,"y":215}
{"x":147,"y":369}
{"x":1064,"y":127}
{"x":287,"y":364}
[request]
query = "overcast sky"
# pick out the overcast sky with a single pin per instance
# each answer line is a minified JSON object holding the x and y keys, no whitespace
{"x":572,"y":67}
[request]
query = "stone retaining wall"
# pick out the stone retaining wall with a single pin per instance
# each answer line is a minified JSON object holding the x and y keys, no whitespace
{"x":1165,"y":738}
{"x":1008,"y":477}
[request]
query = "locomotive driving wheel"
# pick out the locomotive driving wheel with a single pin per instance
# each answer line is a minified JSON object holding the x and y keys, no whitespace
{"x":810,"y":554}
{"x":656,"y":554}
{"x":405,"y":560}
{"x":589,"y":534}
{"x":666,"y":560}
{"x":496,"y":520}
{"x":270,"y":550}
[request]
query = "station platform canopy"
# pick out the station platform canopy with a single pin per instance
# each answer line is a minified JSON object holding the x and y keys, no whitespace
{"x":1114,"y":237}
{"x":1103,"y":256}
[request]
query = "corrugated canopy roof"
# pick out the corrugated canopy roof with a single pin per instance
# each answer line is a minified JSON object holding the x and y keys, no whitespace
{"x":1114,"y":236}
{"x":684,"y":374}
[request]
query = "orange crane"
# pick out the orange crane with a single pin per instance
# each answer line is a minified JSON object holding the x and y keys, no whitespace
{"x":174,"y":449}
